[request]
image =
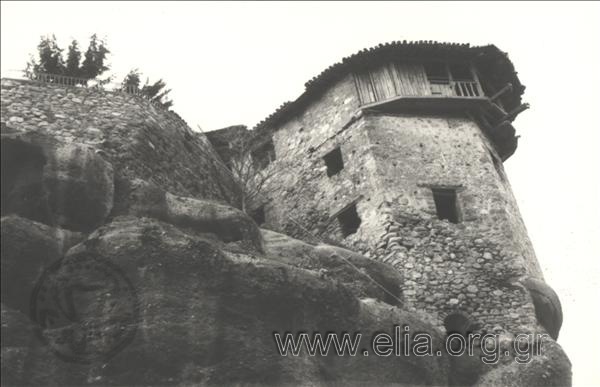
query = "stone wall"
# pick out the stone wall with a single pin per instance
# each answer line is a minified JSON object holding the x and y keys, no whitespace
{"x":139,"y":139}
{"x":475,"y":267}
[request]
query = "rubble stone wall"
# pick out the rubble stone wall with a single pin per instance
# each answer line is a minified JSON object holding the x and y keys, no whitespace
{"x":390,"y":164}
{"x":139,"y":139}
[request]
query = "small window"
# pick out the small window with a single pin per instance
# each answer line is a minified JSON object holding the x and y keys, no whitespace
{"x":437,"y":73}
{"x":258,"y":215}
{"x":263,"y":155}
{"x":334,"y":161}
{"x":461,"y":72}
{"x":349,"y":220}
{"x":458,"y":323}
{"x":446,"y":204}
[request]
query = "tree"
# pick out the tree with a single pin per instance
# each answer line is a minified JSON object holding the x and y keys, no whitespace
{"x":155,"y":92}
{"x":73,"y":60}
{"x":50,"y":59}
{"x":93,"y":63}
{"x":250,"y":155}
{"x":132,"y":79}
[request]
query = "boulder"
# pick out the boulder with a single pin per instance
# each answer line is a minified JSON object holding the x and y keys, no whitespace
{"x":363,"y":276}
{"x":80,"y":188}
{"x":65,"y":185}
{"x":205,"y":316}
{"x":27,"y":361}
{"x":547,"y":305}
{"x":141,"y":198}
{"x":550,"y":368}
{"x":28,"y":247}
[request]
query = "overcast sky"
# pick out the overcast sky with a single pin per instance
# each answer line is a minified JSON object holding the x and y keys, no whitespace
{"x":234,"y":63}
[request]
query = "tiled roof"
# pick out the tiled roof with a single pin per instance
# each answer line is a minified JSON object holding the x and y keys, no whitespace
{"x":492,"y":63}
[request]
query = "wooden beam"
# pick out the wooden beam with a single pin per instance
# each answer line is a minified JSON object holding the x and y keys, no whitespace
{"x":506,"y":89}
{"x":515,"y":112}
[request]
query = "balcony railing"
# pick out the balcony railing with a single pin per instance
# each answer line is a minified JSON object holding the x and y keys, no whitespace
{"x":469,"y":89}
{"x":466,"y":89}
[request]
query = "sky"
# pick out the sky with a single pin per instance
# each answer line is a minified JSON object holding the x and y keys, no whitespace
{"x":235,"y":63}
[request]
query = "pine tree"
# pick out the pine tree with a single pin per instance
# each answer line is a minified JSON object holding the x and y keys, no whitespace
{"x":93,"y":64}
{"x":155,"y":92}
{"x":50,"y":58}
{"x":132,"y":80}
{"x":73,"y":59}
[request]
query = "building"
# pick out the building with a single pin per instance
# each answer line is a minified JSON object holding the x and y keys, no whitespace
{"x":397,"y":151}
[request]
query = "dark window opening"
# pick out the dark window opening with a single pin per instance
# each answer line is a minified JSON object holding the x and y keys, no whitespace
{"x":498,"y":166}
{"x":458,"y":323}
{"x":349,"y":220}
{"x":437,"y":73}
{"x":258,"y":215}
{"x":263,"y":155}
{"x":446,"y":204}
{"x":334,"y":162}
{"x":461,"y":72}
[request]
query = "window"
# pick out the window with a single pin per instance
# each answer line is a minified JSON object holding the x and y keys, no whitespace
{"x":461,"y":72}
{"x":349,"y":220}
{"x":333,"y":161}
{"x":446,"y":204}
{"x":437,"y":73}
{"x":258,"y":215}
{"x":458,"y":323}
{"x":264,"y":154}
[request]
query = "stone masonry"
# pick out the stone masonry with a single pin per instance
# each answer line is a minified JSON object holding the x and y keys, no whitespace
{"x":392,"y":158}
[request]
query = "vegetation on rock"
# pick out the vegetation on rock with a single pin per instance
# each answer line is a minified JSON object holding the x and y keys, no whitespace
{"x":50,"y":59}
{"x":155,"y":92}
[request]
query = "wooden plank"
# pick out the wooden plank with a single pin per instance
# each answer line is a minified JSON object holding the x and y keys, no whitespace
{"x":365,"y":88}
{"x":383,"y":83}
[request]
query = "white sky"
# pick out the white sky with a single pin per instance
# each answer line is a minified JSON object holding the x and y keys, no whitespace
{"x":231,"y":63}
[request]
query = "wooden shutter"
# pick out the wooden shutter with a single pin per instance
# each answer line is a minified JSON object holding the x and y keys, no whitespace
{"x":383,"y":83}
{"x":364,"y":85}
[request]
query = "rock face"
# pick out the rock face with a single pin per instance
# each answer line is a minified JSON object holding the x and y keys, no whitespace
{"x":364,"y":277}
{"x":125,"y":262}
{"x":207,"y":315}
{"x":67,"y":185}
{"x":28,"y":247}
{"x":552,"y":368}
{"x":229,"y":224}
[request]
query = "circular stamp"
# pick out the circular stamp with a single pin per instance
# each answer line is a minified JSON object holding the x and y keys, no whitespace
{"x":85,"y":308}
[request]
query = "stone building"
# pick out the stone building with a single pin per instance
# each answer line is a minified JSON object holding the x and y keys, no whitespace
{"x":397,"y":151}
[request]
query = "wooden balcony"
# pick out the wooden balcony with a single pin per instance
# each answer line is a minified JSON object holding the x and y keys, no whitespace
{"x":466,"y":89}
{"x":463,"y":98}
